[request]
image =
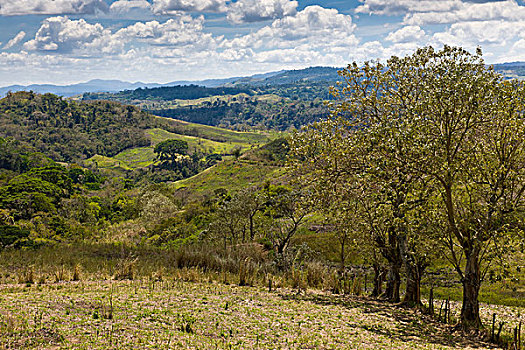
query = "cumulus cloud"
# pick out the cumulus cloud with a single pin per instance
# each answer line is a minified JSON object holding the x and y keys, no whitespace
{"x":62,"y":35}
{"x":51,"y":7}
{"x":400,"y":7}
{"x":407,"y":34}
{"x":508,"y":10}
{"x":244,"y":11}
{"x":314,"y":36}
{"x":170,"y":7}
{"x":312,"y":26}
{"x":17,"y":39}
{"x":125,"y":6}
{"x":180,"y":31}
{"x":476,"y":33}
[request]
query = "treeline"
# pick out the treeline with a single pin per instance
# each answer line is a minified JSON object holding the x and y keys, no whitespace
{"x":279,"y":115}
{"x":69,"y":131}
{"x":169,"y":93}
{"x":308,"y":75}
{"x":302,"y":90}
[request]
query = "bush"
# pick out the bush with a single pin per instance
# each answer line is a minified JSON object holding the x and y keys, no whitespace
{"x":12,"y":236}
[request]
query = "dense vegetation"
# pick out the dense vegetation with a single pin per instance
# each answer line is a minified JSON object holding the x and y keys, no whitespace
{"x":428,"y":151}
{"x":180,"y":92}
{"x":277,"y":115}
{"x":70,"y":131}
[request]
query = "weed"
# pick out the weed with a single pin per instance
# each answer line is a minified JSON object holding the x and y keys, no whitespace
{"x":77,"y":273}
{"x":60,"y":274}
{"x":125,"y":270}
{"x":27,"y":276}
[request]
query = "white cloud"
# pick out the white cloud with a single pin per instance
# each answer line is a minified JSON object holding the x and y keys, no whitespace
{"x":407,"y":34}
{"x":17,"y":39}
{"x":51,"y":7}
{"x":171,"y":7}
{"x":508,"y":10}
{"x":313,"y":26}
{"x":180,"y":31}
{"x":314,"y":36}
{"x":62,"y":35}
{"x":126,"y":6}
{"x":480,"y":33}
{"x":400,"y":7}
{"x":244,"y":11}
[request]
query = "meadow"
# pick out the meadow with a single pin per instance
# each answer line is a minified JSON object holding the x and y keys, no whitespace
{"x":179,"y":313}
{"x":111,"y":296}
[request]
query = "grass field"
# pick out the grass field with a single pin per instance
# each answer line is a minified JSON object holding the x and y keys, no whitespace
{"x":231,"y":174}
{"x":173,"y":314}
{"x":213,"y":133}
{"x":142,"y":157}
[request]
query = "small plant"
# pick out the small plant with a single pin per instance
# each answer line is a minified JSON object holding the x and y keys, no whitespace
{"x":27,"y":276}
{"x":60,"y":274}
{"x":125,"y":270}
{"x":186,"y":323}
{"x":7,"y":324}
{"x":77,"y":273}
{"x":246,"y":272}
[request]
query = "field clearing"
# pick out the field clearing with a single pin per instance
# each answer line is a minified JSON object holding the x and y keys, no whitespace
{"x":176,"y":103}
{"x":103,"y":162}
{"x":203,"y":144}
{"x":173,"y":314}
{"x":214,"y":133}
{"x":231,"y":174}
{"x":141,"y":157}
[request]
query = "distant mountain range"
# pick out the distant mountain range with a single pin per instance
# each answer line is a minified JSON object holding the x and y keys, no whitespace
{"x":99,"y":85}
{"x":312,"y":74}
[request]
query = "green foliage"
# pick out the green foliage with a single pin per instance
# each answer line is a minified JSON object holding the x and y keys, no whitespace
{"x":70,"y":131}
{"x":12,"y":155}
{"x":432,"y":145}
{"x":12,"y":236}
{"x":282,"y":115}
{"x":170,"y":149}
{"x":181,"y":92}
{"x":276,"y":150}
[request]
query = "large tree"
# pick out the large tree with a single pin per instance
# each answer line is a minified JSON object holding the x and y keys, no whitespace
{"x":438,"y":118}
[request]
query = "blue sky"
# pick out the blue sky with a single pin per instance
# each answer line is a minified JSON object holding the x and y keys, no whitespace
{"x":68,"y":41}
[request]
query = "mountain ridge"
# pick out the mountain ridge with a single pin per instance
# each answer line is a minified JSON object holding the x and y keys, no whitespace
{"x":313,"y":74}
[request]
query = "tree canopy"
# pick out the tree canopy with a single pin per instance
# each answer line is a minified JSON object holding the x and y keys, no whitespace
{"x":434,"y":138}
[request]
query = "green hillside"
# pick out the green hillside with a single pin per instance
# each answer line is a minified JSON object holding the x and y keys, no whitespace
{"x":142,"y":157}
{"x":232,"y":175}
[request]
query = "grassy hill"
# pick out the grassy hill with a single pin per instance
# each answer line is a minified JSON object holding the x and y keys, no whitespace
{"x":141,"y":157}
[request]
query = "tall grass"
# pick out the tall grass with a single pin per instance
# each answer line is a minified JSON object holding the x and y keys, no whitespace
{"x":245,"y":264}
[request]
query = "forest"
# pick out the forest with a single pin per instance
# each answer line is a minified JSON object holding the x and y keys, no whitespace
{"x":392,"y":213}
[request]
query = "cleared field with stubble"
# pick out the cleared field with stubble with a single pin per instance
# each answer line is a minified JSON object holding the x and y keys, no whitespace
{"x":188,"y":315}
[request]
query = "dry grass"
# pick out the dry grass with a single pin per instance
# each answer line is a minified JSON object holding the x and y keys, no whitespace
{"x":173,"y":314}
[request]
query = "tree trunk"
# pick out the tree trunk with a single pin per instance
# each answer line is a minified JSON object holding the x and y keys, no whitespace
{"x":252,"y":233}
{"x":412,"y":296}
{"x":393,"y":282}
{"x":378,"y":281}
{"x":414,"y":272}
{"x":471,"y":283}
{"x":343,"y":241}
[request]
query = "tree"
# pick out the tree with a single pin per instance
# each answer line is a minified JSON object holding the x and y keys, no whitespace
{"x":171,"y":149}
{"x":286,"y":210}
{"x":445,"y":120}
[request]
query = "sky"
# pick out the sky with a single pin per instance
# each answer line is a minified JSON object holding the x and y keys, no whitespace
{"x":71,"y":41}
